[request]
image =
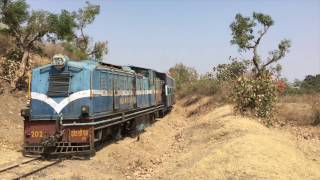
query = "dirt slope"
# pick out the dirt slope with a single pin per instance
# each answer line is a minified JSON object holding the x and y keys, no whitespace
{"x":223,"y":146}
{"x":199,"y":140}
{"x":11,"y":124}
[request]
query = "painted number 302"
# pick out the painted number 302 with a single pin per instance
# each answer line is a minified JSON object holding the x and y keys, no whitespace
{"x":36,"y":134}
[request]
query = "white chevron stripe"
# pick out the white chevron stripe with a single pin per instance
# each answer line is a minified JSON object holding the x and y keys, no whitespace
{"x":59,"y":106}
{"x":81,"y":94}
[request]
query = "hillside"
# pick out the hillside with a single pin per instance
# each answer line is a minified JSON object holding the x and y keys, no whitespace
{"x":197,"y":140}
{"x":11,"y":123}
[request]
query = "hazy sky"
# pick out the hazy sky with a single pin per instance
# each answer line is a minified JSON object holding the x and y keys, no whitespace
{"x":160,"y":33}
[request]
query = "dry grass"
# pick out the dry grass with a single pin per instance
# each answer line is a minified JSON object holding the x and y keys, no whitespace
{"x":50,"y":50}
{"x":37,"y":60}
{"x":299,"y":109}
{"x":5,"y":43}
{"x":215,"y":144}
{"x":300,"y":98}
{"x":222,"y":146}
{"x":197,"y":105}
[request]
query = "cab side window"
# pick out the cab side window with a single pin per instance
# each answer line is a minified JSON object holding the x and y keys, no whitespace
{"x":103,"y":81}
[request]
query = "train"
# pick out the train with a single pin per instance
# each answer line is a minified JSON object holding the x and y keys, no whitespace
{"x":76,"y":106}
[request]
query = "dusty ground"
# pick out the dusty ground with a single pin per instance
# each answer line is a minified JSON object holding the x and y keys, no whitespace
{"x":11,"y":124}
{"x":197,"y":140}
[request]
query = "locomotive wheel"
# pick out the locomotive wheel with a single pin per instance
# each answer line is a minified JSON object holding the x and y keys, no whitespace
{"x":161,"y":113}
{"x":133,"y":132}
{"x":138,"y":125}
{"x":117,"y":133}
{"x":152,"y":118}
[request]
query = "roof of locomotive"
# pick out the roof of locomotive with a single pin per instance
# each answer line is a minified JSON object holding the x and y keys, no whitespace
{"x":85,"y":64}
{"x":92,"y":65}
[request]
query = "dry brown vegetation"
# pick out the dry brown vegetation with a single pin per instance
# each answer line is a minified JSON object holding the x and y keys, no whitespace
{"x":49,"y":50}
{"x":199,"y":139}
{"x":5,"y":43}
{"x":301,"y":110}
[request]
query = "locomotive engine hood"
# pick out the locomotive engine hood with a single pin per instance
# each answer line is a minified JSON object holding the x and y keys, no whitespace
{"x":63,"y":87}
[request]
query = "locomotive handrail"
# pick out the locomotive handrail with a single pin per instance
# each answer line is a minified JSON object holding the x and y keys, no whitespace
{"x":123,"y":116}
{"x":124,"y":119}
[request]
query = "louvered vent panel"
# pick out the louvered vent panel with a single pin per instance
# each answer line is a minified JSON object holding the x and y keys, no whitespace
{"x":59,"y":84}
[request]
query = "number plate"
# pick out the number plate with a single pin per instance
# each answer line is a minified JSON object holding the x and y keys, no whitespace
{"x":79,"y":133}
{"x":36,"y":134}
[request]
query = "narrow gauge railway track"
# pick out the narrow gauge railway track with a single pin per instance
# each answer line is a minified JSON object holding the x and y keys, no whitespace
{"x":26,"y":168}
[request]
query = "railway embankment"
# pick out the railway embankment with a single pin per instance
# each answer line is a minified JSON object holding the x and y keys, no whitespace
{"x":11,"y":124}
{"x":197,"y":140}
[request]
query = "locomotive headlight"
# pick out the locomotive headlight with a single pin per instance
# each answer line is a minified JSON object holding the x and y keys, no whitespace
{"x":85,"y":110}
{"x":59,"y":61}
{"x":25,"y":113}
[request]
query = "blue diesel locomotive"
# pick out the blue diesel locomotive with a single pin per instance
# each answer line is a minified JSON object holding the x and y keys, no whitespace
{"x":77,"y":105}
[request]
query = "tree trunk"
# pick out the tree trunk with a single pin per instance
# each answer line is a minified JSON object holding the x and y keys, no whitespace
{"x":22,"y":69}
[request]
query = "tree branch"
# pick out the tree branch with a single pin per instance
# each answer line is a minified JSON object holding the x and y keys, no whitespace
{"x":17,"y":36}
{"x":249,"y":47}
{"x":265,"y":29}
{"x":255,"y":53}
{"x":283,"y":47}
{"x":255,"y":59}
{"x":92,"y":52}
{"x":39,"y":35}
{"x":273,"y":59}
{"x":84,"y":37}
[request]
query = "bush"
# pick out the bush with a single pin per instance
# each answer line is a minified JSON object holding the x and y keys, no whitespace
{"x":185,"y":77}
{"x":231,"y":71}
{"x":6,"y":43}
{"x":205,"y":87}
{"x":255,"y":95}
{"x":8,"y":68}
{"x":50,"y":49}
{"x":311,"y":83}
{"x":316,"y":113}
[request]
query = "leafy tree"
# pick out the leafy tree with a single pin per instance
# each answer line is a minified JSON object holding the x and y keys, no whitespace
{"x":231,"y":71}
{"x":28,"y":29}
{"x":256,"y":91}
{"x":183,"y":75}
{"x":84,"y":17}
{"x":189,"y":82}
{"x":247,"y":36}
{"x":311,"y":83}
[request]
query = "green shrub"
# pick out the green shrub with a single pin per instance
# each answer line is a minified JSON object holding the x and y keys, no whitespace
{"x":185,"y":78}
{"x":255,"y":95}
{"x":206,"y":86}
{"x":203,"y":86}
{"x":231,"y":71}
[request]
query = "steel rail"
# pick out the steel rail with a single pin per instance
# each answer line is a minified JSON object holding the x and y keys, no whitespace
{"x":30,"y":172}
{"x":37,"y":170}
{"x":17,"y":165}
